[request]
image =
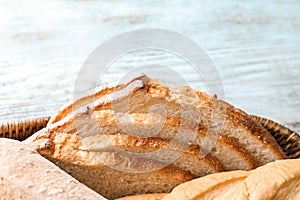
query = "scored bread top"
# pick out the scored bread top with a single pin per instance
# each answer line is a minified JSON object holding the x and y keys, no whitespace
{"x":187,"y":158}
{"x":231,"y":154}
{"x":142,"y":93}
{"x":226,"y":149}
{"x":101,"y":91}
{"x":143,"y":114}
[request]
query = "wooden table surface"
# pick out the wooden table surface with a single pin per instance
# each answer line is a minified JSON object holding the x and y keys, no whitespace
{"x":255,"y":46}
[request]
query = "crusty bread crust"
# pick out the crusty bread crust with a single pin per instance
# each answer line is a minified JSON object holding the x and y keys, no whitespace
{"x":277,"y":180}
{"x":132,"y":143}
{"x":240,"y":118}
{"x":198,"y":187}
{"x":144,"y":197}
{"x":108,"y":118}
{"x":150,"y":92}
{"x":101,"y":91}
{"x":206,"y":165}
{"x":106,"y":121}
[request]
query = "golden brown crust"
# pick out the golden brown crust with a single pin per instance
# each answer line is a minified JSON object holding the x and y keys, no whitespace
{"x":271,"y":180}
{"x":152,"y":86}
{"x":152,"y":144}
{"x":196,"y":188}
{"x":215,"y":163}
{"x":276,"y":180}
{"x":239,"y":117}
{"x":175,"y":122}
{"x":148,"y":144}
{"x":232,"y":142}
{"x":101,"y":91}
{"x":232,"y":115}
{"x":108,"y":118}
{"x":65,"y":147}
{"x":144,"y":197}
{"x":235,"y":116}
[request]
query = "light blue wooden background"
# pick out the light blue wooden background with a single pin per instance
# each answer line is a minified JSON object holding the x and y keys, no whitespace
{"x":255,"y":46}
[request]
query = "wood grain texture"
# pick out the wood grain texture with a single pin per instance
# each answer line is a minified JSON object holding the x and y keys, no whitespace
{"x":255,"y":47}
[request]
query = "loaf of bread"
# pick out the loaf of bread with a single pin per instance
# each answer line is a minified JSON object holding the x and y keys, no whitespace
{"x":25,"y":175}
{"x":279,"y":180}
{"x":144,"y":136}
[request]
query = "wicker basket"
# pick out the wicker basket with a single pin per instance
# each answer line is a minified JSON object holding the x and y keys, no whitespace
{"x":286,"y":138}
{"x":22,"y":129}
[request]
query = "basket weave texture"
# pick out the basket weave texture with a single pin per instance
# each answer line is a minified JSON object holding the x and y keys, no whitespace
{"x":286,"y":138}
{"x":22,"y":129}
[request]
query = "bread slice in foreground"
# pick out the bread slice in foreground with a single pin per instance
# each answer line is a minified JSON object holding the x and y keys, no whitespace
{"x":212,"y":186}
{"x":26,"y":175}
{"x":274,"y":181}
